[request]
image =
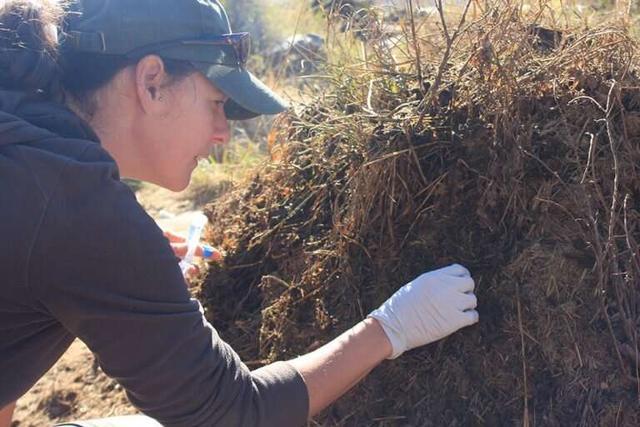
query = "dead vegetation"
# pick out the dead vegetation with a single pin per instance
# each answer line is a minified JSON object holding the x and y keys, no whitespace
{"x":480,"y":141}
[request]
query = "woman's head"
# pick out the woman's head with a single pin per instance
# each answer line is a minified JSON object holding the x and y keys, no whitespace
{"x":158,"y":124}
{"x":152,"y":77}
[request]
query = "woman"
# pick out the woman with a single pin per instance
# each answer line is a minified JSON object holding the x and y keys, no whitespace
{"x":143,"y":89}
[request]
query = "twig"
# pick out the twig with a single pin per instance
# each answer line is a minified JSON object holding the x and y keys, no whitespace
{"x":369,"y":108}
{"x":432,"y":93}
{"x":614,"y":198}
{"x":525,"y":420}
{"x":592,"y":147}
{"x":599,"y":253}
{"x":416,"y":45}
{"x":278,"y":280}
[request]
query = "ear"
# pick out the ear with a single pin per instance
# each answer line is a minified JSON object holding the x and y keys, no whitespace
{"x":151,"y":79}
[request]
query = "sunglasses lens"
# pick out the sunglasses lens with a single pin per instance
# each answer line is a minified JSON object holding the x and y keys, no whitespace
{"x":238,"y":43}
{"x":244,"y":48}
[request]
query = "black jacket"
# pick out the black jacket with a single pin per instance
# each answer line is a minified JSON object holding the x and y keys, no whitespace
{"x":80,"y":258}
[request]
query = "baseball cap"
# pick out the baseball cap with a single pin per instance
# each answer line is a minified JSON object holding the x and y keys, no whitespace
{"x":197,"y":31}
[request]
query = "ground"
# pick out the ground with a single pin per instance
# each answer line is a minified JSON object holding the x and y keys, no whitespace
{"x":76,"y":388}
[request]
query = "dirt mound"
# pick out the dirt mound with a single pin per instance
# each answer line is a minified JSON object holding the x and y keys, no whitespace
{"x":516,"y":158}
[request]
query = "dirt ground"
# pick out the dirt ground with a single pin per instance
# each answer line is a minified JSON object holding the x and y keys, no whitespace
{"x":76,"y":388}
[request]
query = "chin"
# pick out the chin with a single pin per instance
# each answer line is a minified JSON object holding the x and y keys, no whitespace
{"x":175,"y":179}
{"x":177,"y":186}
{"x":175,"y":183}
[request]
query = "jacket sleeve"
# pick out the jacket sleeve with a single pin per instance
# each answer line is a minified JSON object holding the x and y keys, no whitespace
{"x":103,"y":268}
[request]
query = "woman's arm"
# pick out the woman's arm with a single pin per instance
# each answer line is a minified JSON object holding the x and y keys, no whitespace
{"x":334,"y":368}
{"x":5,"y":415}
{"x":425,"y":310}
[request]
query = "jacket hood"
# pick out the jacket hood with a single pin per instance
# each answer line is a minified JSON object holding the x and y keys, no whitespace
{"x":26,"y":118}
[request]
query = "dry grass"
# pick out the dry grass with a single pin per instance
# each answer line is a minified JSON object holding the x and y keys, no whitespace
{"x":476,"y":140}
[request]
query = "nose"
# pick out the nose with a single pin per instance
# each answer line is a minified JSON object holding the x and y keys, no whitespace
{"x":221,"y":130}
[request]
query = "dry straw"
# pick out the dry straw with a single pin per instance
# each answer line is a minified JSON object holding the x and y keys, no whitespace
{"x":512,"y":149}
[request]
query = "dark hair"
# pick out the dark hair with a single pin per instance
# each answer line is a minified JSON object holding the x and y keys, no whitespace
{"x":84,"y":73}
{"x":27,"y":50}
{"x":30,"y":59}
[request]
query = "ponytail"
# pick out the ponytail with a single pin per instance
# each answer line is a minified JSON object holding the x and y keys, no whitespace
{"x":28,"y":46}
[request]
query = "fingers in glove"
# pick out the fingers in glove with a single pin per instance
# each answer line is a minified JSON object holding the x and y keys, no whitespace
{"x":464,"y":284}
{"x":456,"y":270}
{"x":471,"y":317}
{"x":467,"y":302}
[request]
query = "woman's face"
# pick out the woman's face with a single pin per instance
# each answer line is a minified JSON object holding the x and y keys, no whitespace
{"x":190,"y":123}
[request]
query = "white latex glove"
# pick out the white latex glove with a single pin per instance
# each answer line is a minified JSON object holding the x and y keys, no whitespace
{"x":430,"y":307}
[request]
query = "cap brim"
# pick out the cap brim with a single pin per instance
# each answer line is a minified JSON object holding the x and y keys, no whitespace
{"x":248,"y":96}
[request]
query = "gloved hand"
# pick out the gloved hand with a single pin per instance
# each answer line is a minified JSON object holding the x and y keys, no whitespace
{"x":430,"y":307}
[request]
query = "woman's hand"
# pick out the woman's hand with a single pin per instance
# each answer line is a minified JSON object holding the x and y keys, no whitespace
{"x":430,"y":307}
{"x":179,"y":246}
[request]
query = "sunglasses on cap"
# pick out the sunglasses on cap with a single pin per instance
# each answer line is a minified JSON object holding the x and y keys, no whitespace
{"x":227,"y":49}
